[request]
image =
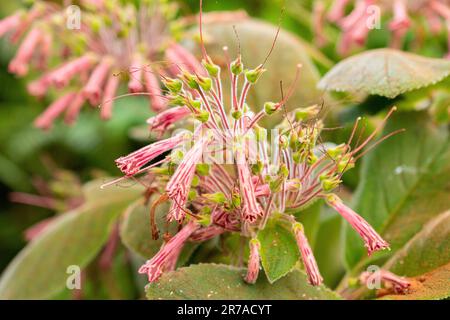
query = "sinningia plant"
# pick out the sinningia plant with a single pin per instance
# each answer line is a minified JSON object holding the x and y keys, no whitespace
{"x":231,"y":180}
{"x":105,"y":43}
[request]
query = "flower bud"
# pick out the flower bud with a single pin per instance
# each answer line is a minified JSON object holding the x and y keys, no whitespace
{"x":302,"y":114}
{"x":253,"y":76}
{"x":213,"y":69}
{"x":174,"y":85}
{"x":237,"y":67}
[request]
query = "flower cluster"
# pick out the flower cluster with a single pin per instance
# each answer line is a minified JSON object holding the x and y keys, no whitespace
{"x":357,"y":23}
{"x":113,"y":43}
{"x":232,"y":179}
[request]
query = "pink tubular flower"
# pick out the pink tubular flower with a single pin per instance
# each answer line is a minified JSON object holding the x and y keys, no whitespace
{"x":399,"y":284}
{"x":110,"y":91}
{"x":39,"y":87}
{"x":131,"y":163}
{"x":207,"y":233}
{"x":61,"y":76}
{"x":157,"y":100}
{"x":19,"y":65}
{"x":373,"y":241}
{"x":401,"y":19}
{"x":337,"y":10}
{"x":9,"y":23}
{"x":74,"y":108}
{"x":179,"y":185}
{"x":45,"y":120}
{"x":253,"y":262}
{"x":309,"y":261}
{"x":251,"y":209}
{"x":161,"y":121}
{"x":93,"y":89}
{"x":135,"y":83}
{"x":163,"y":259}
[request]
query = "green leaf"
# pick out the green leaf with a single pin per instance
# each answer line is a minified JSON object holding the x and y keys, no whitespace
{"x":136,"y":232}
{"x":385,"y":72}
{"x":279,"y":251}
{"x":433,"y":285}
{"x":427,"y":250}
{"x":404,"y":183}
{"x":212,"y":281}
{"x":74,"y":238}
{"x":256,"y":38}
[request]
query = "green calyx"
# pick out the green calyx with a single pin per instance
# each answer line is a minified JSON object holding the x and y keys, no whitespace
{"x":253,"y":75}
{"x":173,"y":85}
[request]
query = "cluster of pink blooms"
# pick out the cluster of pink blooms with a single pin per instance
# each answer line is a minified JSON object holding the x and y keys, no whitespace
{"x":209,"y":198}
{"x":114,"y":43}
{"x":357,"y":24}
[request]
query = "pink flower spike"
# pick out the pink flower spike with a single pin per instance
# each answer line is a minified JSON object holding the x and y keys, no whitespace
{"x":9,"y":24}
{"x":19,"y":65}
{"x":163,"y":259}
{"x":92,"y":90}
{"x":400,"y":284}
{"x":253,"y":262}
{"x":45,"y":51}
{"x":108,"y":97}
{"x":312,"y":270}
{"x":131,"y":163}
{"x":179,"y":184}
{"x":74,"y":109}
{"x":61,"y":76}
{"x":337,"y":10}
{"x":251,"y":209}
{"x":401,"y":19}
{"x":161,"y":121}
{"x":45,"y":120}
{"x":372,"y":239}
{"x":39,"y":87}
{"x":135,"y":83}
{"x":157,"y":101}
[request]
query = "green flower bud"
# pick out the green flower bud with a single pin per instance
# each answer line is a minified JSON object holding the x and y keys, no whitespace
{"x":195,"y":181}
{"x":174,"y":85}
{"x":217,"y":197}
{"x":192,"y":195}
{"x":237,"y":67}
{"x":202,"y":169}
{"x":204,"y":83}
{"x":213,"y":69}
{"x":253,"y":76}
{"x":202,"y":116}
{"x":177,"y":101}
{"x":270,"y":107}
{"x":237,"y":114}
{"x":191,"y":80}
{"x":306,"y":113}
{"x":257,"y":167}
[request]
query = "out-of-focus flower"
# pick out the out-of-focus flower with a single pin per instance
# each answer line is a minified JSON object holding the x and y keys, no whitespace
{"x":356,"y":18}
{"x":116,"y":43}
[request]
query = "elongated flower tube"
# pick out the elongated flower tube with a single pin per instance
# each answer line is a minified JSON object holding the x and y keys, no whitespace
{"x":131,"y":48}
{"x":160,"y":122}
{"x":372,"y":240}
{"x":399,"y":284}
{"x":178,"y":187}
{"x":131,"y":163}
{"x":253,"y":262}
{"x":155,"y":266}
{"x":312,"y":270}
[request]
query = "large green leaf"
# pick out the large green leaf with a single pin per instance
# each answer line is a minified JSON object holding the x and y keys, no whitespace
{"x":136,"y":232}
{"x":385,"y":72}
{"x":279,"y":251}
{"x":74,"y":238}
{"x":434,"y":285}
{"x":404,"y":182}
{"x":427,"y":250}
{"x":212,"y":281}
{"x":256,"y":38}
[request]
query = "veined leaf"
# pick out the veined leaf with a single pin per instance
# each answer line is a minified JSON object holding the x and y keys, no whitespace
{"x":73,"y":239}
{"x":427,"y":250}
{"x":212,"y":281}
{"x":434,"y":285}
{"x":385,"y":72}
{"x":279,"y":251}
{"x":404,"y":182}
